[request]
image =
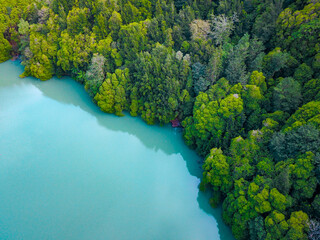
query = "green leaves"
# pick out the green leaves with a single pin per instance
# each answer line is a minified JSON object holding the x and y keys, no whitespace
{"x":133,"y":40}
{"x":75,"y":52}
{"x":112,"y":96}
{"x":216,"y":171}
{"x":77,"y":21}
{"x":287,"y":95}
{"x":5,"y":49}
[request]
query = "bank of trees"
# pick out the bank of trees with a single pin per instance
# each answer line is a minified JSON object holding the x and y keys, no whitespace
{"x":241,"y":76}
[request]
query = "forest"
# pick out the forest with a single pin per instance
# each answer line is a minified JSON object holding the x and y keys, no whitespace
{"x":241,"y":76}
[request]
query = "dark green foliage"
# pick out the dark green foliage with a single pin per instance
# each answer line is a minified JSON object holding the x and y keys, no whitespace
{"x":274,"y":61}
{"x":265,"y":24}
{"x":290,"y":144}
{"x":316,"y":205}
{"x":66,"y":5}
{"x":282,"y":181}
{"x":236,"y":68}
{"x":200,"y":83}
{"x":311,"y":90}
{"x":287,"y":95}
{"x":303,"y":73}
{"x":133,"y":40}
{"x":257,"y":230}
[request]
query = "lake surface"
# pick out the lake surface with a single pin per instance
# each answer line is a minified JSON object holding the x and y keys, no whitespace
{"x":69,"y":171}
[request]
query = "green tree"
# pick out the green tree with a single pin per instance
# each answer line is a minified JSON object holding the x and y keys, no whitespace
{"x":112,"y":96}
{"x":287,"y":95}
{"x":216,"y":171}
{"x":308,"y":113}
{"x":297,"y":141}
{"x":274,"y":61}
{"x":311,"y":90}
{"x":298,"y":226}
{"x":133,"y":40}
{"x":115,"y":22}
{"x":304,"y":26}
{"x":257,"y":229}
{"x":303,"y":177}
{"x":5,"y":49}
{"x":259,"y":80}
{"x":77,"y":21}
{"x":276,"y":225}
{"x":303,"y":73}
{"x":236,"y":71}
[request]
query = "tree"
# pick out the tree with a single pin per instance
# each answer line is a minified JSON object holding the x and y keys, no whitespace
{"x":298,"y":225}
{"x":236,"y":71}
{"x":200,"y":82}
{"x":65,"y":4}
{"x":306,"y":114}
{"x":95,"y":74}
{"x":265,"y":24}
{"x":216,"y":171}
{"x":276,"y":225}
{"x":238,"y":210}
{"x":43,"y":52}
{"x":282,"y":181}
{"x":257,"y":229}
{"x":200,"y":29}
{"x":5,"y":49}
{"x":258,"y":79}
{"x":316,"y":205}
{"x":75,"y":52}
{"x":215,"y":123}
{"x":133,"y":40}
{"x":110,"y":53}
{"x":112,"y":96}
{"x":274,"y":61}
{"x":303,"y":177}
{"x":215,"y":66}
{"x":297,"y":141}
{"x":287,"y":95}
{"x":222,"y":27}
{"x":23,"y":27}
{"x":252,"y":97}
{"x":303,"y":73}
{"x":277,"y":200}
{"x":304,"y":26}
{"x":311,"y":90}
{"x":77,"y":21}
{"x":115,"y":22}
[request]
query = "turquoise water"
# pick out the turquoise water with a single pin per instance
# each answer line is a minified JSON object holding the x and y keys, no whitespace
{"x":69,"y":171}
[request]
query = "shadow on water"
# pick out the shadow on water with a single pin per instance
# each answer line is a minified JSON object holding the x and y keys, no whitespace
{"x":163,"y":138}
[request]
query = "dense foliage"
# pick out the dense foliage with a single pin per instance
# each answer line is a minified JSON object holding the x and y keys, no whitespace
{"x":242,"y":77}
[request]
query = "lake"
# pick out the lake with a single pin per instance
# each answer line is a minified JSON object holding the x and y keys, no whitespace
{"x":69,"y":171}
